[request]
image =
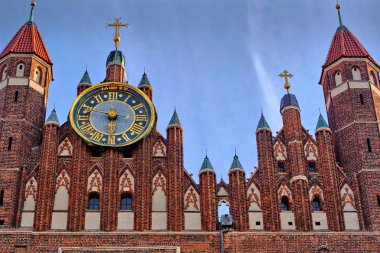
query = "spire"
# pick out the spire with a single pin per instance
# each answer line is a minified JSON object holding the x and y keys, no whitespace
{"x":53,"y":118}
{"x":206,"y":165}
{"x":33,"y":4}
{"x":86,"y":78}
{"x":262,"y":123}
{"x":175,"y":120}
{"x":339,"y":15}
{"x":27,"y":40}
{"x":236,"y":163}
{"x":144,"y":80}
{"x":321,"y":123}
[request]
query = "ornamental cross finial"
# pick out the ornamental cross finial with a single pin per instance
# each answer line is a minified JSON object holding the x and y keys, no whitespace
{"x":117,"y":25}
{"x":285,"y":74}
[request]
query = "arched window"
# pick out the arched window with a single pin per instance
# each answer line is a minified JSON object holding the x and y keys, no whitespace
{"x":94,"y":201}
{"x":126,"y":202}
{"x":20,"y":70}
{"x":280,"y":167}
{"x":37,"y":75}
{"x":285,"y":204}
{"x":312,"y":168}
{"x":4,"y":73}
{"x":356,"y":75}
{"x":316,"y":204}
{"x":372,"y":78}
{"x":338,"y":78}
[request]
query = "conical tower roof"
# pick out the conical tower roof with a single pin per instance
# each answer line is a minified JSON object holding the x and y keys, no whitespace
{"x":86,"y":78}
{"x":206,"y":165}
{"x":174,"y":120}
{"x":144,"y":80}
{"x":321,"y":123}
{"x":236,"y":164}
{"x":27,"y":40}
{"x":53,"y":118}
{"x":262,"y":123}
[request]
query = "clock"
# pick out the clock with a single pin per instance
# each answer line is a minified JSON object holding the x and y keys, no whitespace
{"x":112,"y":114}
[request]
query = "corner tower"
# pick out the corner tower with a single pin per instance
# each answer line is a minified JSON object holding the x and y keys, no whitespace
{"x":350,"y":81}
{"x":25,"y":75}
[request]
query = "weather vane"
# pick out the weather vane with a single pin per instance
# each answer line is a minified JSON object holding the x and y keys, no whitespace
{"x":33,"y":4}
{"x":285,"y":74}
{"x":339,"y":15}
{"x":117,"y":25}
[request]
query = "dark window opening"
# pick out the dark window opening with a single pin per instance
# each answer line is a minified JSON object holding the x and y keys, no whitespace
{"x":127,"y":153}
{"x":285,"y":204}
{"x":361,"y":99}
{"x":378,"y":200}
{"x":369,"y":145}
{"x":258,"y":223}
{"x":1,"y":198}
{"x":317,"y":223}
{"x":290,"y":223}
{"x":280,"y":167}
{"x":126,"y":202}
{"x":312,"y":168}
{"x":94,"y":201}
{"x":96,"y":152}
{"x":16,"y":96}
{"x":1,"y":222}
{"x":20,"y":66}
{"x":10,"y":143}
{"x":316,"y":204}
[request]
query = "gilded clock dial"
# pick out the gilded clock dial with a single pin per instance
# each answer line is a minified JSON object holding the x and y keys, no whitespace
{"x":112,"y":114}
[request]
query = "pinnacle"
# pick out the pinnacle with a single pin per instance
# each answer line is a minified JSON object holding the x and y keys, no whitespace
{"x":236,"y":163}
{"x":321,"y":123}
{"x":86,"y":78}
{"x":174,"y":120}
{"x":53,"y":118}
{"x":144,"y":80}
{"x":262,"y":123}
{"x":206,"y":165}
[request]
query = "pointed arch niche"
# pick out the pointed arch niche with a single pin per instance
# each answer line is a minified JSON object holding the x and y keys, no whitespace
{"x":318,"y":214}
{"x":286,"y":213}
{"x":254,"y":208}
{"x":159,"y":202}
{"x":126,"y":194}
{"x":29,"y":208}
{"x":192,"y":209}
{"x":351,"y":221}
{"x":94,"y":191}
{"x":61,"y":201}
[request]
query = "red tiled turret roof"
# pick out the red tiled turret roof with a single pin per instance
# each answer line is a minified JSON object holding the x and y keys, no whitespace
{"x":27,"y":40}
{"x":345,"y":44}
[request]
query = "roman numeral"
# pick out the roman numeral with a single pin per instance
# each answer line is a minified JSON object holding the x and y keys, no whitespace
{"x":136,"y":107}
{"x":141,"y":117}
{"x":125,"y":137}
{"x":111,"y":139}
{"x":86,"y":108}
{"x":98,"y":98}
{"x":125,"y":100}
{"x":83,"y":117}
{"x":112,"y":95}
{"x":136,"y":129}
{"x":96,"y":136}
{"x":86,"y":128}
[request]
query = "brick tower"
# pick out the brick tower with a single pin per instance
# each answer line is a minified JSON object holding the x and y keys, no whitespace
{"x":238,"y":189}
{"x":293,"y":135}
{"x":175,"y":174}
{"x":25,"y":75}
{"x":350,"y":81}
{"x":145,"y":86}
{"x":207,"y":180}
{"x":270,"y":207}
{"x":84,"y":83}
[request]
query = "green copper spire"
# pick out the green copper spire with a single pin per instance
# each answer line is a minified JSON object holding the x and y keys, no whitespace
{"x":339,"y":15}
{"x":53,"y":118}
{"x":144,"y":80}
{"x":174,"y":120}
{"x":206,"y":165}
{"x":321,"y":123}
{"x":262,"y":123}
{"x":32,"y":11}
{"x":86,"y":78}
{"x":236,"y":163}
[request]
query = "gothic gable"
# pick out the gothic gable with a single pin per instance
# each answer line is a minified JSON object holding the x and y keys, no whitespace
{"x":192,"y":200}
{"x":254,"y":199}
{"x":279,"y":151}
{"x":159,"y":149}
{"x":94,"y":182}
{"x":65,"y":148}
{"x":127,"y":182}
{"x":311,"y":152}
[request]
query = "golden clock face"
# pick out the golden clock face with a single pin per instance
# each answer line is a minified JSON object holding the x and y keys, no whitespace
{"x":112,"y":114}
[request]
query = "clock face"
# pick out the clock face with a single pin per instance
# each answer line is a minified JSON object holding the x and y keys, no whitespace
{"x":112,"y":114}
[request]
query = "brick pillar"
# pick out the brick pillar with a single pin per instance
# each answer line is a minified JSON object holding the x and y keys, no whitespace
{"x":110,"y":195}
{"x":358,"y":200}
{"x":297,"y":167}
{"x":175,"y":178}
{"x":46,"y":178}
{"x":115,"y":73}
{"x":147,"y":90}
{"x":143,"y":193}
{"x":328,"y":170}
{"x":269,"y":203}
{"x":21,"y":196}
{"x":78,"y":190}
{"x":207,"y":180}
{"x":238,"y":191}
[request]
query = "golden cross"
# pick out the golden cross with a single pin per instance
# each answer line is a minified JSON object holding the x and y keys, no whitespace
{"x":285,"y":74}
{"x":117,"y":25}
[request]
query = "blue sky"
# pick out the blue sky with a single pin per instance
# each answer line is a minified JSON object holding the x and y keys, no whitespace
{"x":217,"y":62}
